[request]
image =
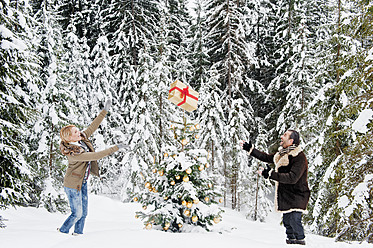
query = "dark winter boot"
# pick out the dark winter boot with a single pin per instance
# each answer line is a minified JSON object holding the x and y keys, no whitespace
{"x":290,"y":241}
{"x":300,"y":242}
{"x":296,"y":242}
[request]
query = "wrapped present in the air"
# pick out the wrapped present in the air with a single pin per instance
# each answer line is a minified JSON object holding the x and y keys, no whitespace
{"x":183,"y":96}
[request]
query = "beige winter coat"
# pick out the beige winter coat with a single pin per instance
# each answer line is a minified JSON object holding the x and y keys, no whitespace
{"x":78,"y":159}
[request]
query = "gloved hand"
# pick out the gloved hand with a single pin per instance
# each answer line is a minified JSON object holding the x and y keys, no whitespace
{"x":122,"y":146}
{"x":247,"y":146}
{"x":265,"y":172}
{"x":107,"y":105}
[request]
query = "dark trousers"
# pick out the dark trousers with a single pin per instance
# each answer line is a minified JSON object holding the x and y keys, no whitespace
{"x":293,"y":224}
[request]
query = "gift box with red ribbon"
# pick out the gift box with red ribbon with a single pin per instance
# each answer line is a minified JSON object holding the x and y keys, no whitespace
{"x":183,"y":96}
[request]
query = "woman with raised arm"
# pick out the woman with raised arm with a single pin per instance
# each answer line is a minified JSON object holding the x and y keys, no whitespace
{"x":82,"y":161}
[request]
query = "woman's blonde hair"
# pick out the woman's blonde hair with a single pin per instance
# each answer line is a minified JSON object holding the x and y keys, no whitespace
{"x":65,"y":133}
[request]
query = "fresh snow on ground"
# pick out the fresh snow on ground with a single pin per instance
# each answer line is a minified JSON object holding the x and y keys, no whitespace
{"x":111,"y":224}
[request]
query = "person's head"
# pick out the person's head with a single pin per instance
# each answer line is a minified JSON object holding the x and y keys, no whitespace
{"x":70,"y":133}
{"x":290,"y":137}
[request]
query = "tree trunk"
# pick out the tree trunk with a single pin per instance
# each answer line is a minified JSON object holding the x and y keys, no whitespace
{"x":51,"y":150}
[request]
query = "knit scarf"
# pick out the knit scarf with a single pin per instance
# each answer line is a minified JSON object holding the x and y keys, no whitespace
{"x":286,"y":150}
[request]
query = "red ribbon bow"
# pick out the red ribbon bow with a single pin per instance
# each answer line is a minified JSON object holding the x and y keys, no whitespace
{"x":184,"y":94}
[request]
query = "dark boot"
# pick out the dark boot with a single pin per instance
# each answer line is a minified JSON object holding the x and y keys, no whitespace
{"x":290,"y":241}
{"x":300,"y":242}
{"x":295,"y":242}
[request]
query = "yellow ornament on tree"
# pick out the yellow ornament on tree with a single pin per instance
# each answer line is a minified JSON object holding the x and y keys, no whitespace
{"x":194,"y":218}
{"x":188,"y":171}
{"x":189,"y":205}
{"x":135,"y":199}
{"x":166,"y":226}
{"x":184,"y":142}
{"x":201,"y":168}
{"x":207,"y":199}
{"x":187,"y":213}
{"x":161,"y":172}
{"x":183,"y":203}
{"x":177,"y":177}
{"x":148,"y":226}
{"x":196,"y":201}
{"x":216,"y":220}
{"x":154,"y":170}
{"x":147,"y":185}
{"x":180,"y":225}
{"x":186,"y":179}
{"x":221,"y":200}
{"x":172,"y":182}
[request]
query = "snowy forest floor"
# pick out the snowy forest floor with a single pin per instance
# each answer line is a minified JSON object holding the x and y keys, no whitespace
{"x":112,"y":224}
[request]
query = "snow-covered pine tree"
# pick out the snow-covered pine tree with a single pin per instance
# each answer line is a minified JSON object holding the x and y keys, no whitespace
{"x":262,"y":21}
{"x":212,"y":120}
{"x":54,"y":110}
{"x":178,"y":22}
{"x":112,"y":129}
{"x":180,"y":193}
{"x":197,"y":47}
{"x":314,"y":125}
{"x":18,"y":87}
{"x":78,"y":75}
{"x":143,"y":128}
{"x":341,"y":208}
{"x":231,"y":55}
{"x":129,"y":26}
{"x":291,"y":89}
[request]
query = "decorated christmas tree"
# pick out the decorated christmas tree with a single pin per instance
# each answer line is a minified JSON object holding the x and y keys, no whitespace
{"x":179,"y":193}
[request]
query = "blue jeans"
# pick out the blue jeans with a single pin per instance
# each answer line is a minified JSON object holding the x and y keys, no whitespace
{"x":78,"y":201}
{"x":293,"y":224}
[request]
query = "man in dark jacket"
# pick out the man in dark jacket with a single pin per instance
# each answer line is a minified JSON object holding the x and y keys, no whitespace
{"x":290,"y":176}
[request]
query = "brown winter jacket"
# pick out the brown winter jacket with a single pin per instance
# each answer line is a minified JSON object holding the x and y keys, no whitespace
{"x":78,"y":159}
{"x":290,"y":173}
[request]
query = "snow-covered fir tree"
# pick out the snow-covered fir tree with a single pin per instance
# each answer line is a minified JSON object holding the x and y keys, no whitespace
{"x":342,"y":173}
{"x":54,"y":110}
{"x":231,"y":55}
{"x":143,"y":128}
{"x":19,"y":86}
{"x":180,"y":194}
{"x":178,"y":21}
{"x":292,"y":88}
{"x":112,"y":129}
{"x":197,"y":47}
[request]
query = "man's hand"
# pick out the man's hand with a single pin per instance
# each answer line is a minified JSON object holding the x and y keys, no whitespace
{"x":265,"y":172}
{"x":246,"y":146}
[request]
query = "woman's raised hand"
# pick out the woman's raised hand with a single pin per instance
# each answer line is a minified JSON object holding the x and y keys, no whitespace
{"x":107,"y":105}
